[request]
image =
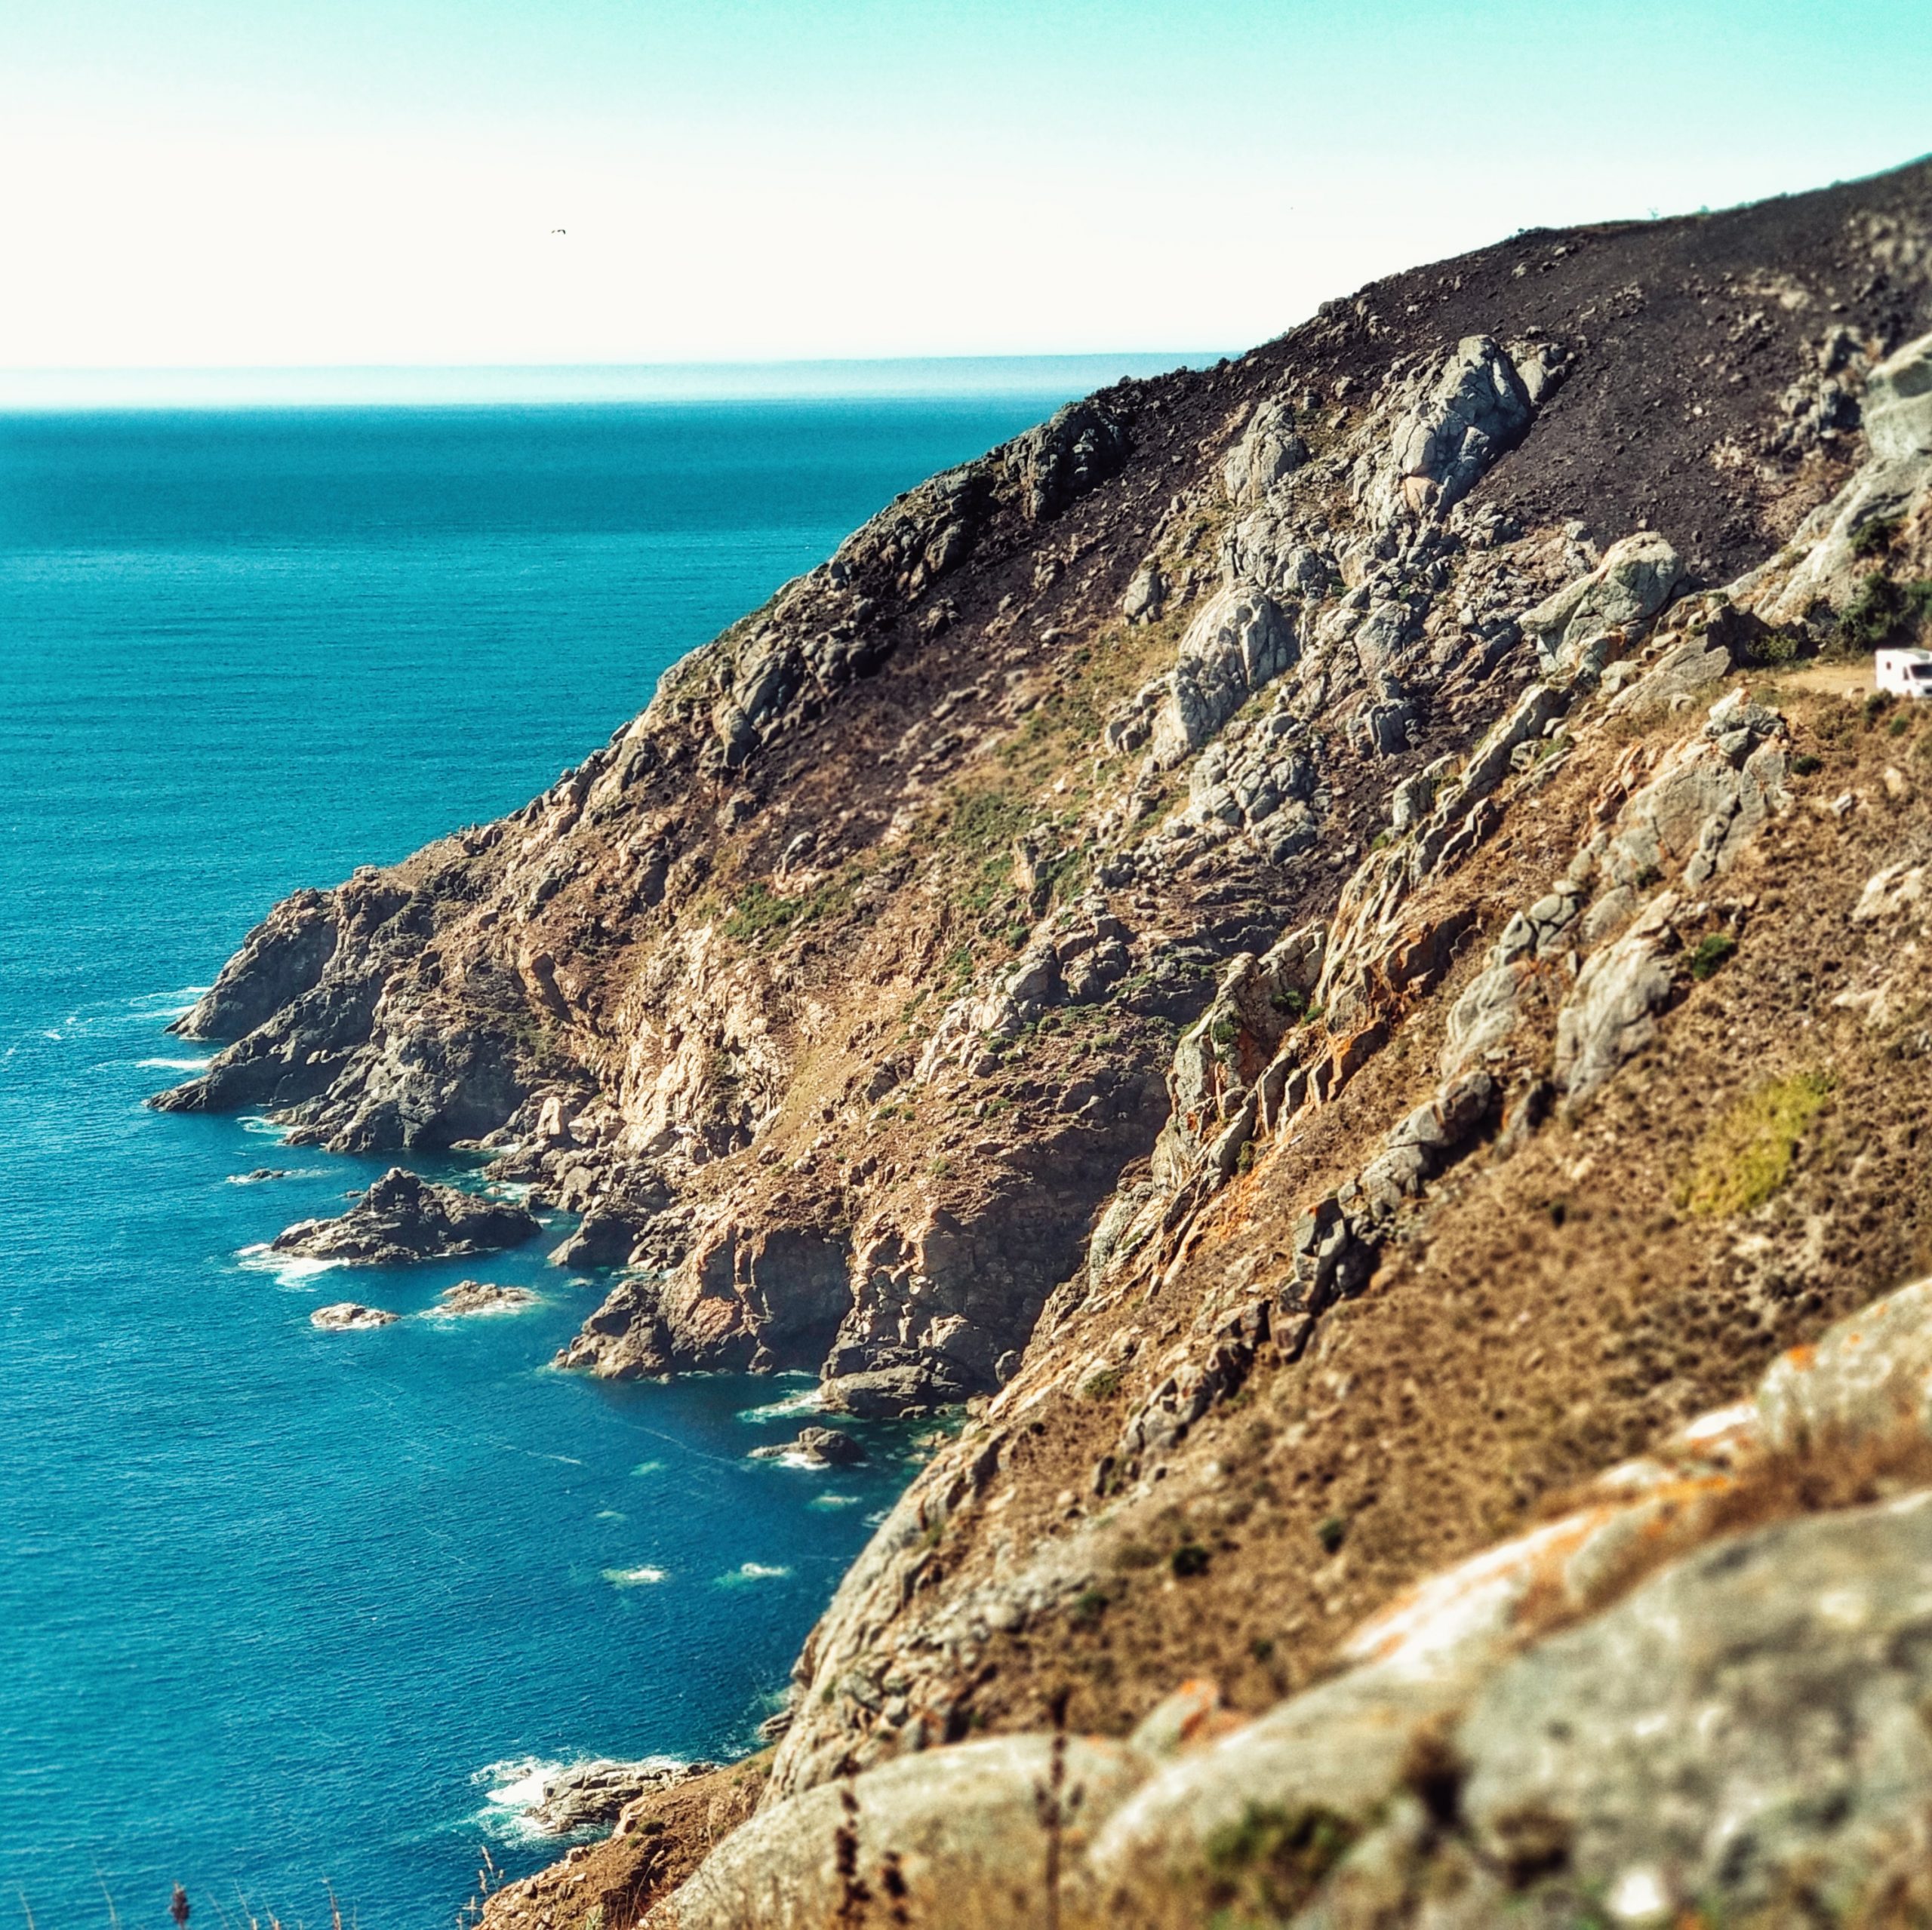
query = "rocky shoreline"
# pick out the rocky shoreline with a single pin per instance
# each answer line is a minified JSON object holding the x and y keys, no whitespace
{"x":1314,"y":943}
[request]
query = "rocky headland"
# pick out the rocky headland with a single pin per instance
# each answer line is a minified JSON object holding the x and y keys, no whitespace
{"x":1320,"y":942}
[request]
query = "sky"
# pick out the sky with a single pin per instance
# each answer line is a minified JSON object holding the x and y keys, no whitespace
{"x":206,"y":184}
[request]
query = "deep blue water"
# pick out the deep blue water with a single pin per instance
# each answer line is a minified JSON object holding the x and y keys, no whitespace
{"x":272,"y":1601}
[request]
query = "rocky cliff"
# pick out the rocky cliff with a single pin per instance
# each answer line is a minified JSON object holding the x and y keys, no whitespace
{"x":1320,"y":941}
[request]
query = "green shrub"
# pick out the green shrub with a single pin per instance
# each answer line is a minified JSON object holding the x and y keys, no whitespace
{"x":1189,"y":1559}
{"x":1713,"y":949}
{"x":1745,"y":1156}
{"x":1877,"y":537}
{"x":1101,"y":1385}
{"x":1805,"y":765}
{"x":1331,"y":1531}
{"x":1270,"y":1864}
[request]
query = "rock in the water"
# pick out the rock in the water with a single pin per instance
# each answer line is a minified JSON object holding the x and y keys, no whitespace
{"x":349,"y":1315}
{"x":477,"y":1296}
{"x":892,"y":1393}
{"x":402,"y":1219}
{"x":257,"y":1175}
{"x":817,"y":1447}
{"x":590,"y":1795}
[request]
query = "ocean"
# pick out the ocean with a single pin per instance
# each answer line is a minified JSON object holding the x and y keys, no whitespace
{"x":283,"y":1611}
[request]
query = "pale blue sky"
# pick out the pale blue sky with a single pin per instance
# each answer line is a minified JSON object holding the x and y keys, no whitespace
{"x":207,"y":182}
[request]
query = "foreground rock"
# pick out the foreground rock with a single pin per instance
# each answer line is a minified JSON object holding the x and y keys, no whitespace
{"x":815,"y":1447}
{"x":349,"y":1315}
{"x":403,"y":1219}
{"x":477,"y":1296}
{"x":593,"y":1795}
{"x":1737,"y":1734}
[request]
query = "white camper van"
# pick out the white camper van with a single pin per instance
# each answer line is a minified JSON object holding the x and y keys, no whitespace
{"x":1908,"y":672}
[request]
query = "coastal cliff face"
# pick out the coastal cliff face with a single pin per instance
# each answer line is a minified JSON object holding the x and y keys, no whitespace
{"x":1318,"y":940}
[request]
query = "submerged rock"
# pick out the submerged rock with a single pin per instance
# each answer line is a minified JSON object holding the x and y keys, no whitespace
{"x":259,"y":1173}
{"x":349,"y":1315}
{"x":402,"y":1219}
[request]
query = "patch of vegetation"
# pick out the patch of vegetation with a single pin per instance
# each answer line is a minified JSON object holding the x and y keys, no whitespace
{"x":1882,"y":611}
{"x":1805,"y":765}
{"x":1746,"y":1155}
{"x":761,"y":913}
{"x":1087,"y":1608}
{"x":1270,"y":1864}
{"x":1714,"y":949}
{"x":1877,"y":537}
{"x":1188,"y":1560}
{"x":1101,"y":1385}
{"x":1331,"y":1532}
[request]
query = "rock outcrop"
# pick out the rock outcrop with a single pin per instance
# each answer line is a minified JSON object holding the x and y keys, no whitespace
{"x":402,"y":1219}
{"x":350,"y":1317}
{"x":477,"y":1296}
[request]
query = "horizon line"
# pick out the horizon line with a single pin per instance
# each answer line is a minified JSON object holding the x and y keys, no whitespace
{"x":40,"y":390}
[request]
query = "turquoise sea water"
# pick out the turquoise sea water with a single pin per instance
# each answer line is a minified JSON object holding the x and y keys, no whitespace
{"x":279,"y":1607}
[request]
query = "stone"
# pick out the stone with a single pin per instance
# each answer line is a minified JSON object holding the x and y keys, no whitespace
{"x":1745,"y":1728}
{"x":1240,"y":641}
{"x":282,"y":959}
{"x":477,"y":1296}
{"x":1268,"y":450}
{"x":349,"y":1316}
{"x":1898,"y":404}
{"x":593,"y":1795}
{"x":815,"y":1447}
{"x":1865,"y":1378}
{"x":968,"y":1828}
{"x":1630,"y":585}
{"x":401,"y":1218}
{"x":888,"y":1394}
{"x":1610,"y":1015}
{"x":1462,"y":418}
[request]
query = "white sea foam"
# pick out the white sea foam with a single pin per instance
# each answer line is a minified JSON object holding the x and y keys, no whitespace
{"x":833,"y":1500}
{"x":288,"y":1269}
{"x":634,"y":1578}
{"x":807,"y":1400}
{"x":747,"y":1572}
{"x":609,"y":1514}
{"x":175,"y":1065}
{"x":649,"y":1467}
{"x":514,"y":1787}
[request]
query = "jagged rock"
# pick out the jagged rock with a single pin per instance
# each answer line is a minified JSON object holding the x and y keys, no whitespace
{"x":1631,"y":584}
{"x":891,"y":1394}
{"x":1471,"y":410}
{"x":477,"y":1296}
{"x":402,"y":1219}
{"x":1611,"y":1014}
{"x":1682,"y":671}
{"x":1898,"y":404}
{"x":256,"y":1175}
{"x":817,"y":1447}
{"x":1146,"y":593}
{"x":279,"y":960}
{"x":1867,"y":1379}
{"x":1240,"y":641}
{"x":593,"y":1795}
{"x":348,"y":1317}
{"x":1268,"y":450}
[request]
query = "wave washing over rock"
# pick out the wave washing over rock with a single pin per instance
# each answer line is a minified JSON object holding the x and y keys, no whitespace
{"x":1319,"y":943}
